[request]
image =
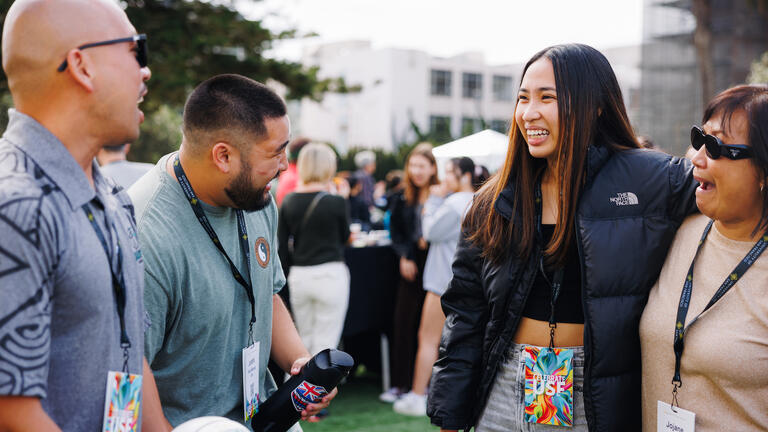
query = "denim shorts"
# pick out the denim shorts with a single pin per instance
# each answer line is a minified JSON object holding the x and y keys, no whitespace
{"x":505,"y":407}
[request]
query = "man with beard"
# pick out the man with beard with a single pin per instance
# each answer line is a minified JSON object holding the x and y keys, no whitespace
{"x":208,"y":228}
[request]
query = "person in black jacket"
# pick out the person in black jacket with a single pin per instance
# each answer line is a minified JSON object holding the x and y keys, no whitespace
{"x":557,"y":256}
{"x":409,"y":244}
{"x":313,"y":229}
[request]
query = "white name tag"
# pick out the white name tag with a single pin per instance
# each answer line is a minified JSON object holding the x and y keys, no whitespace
{"x":250,"y":381}
{"x":679,"y":420}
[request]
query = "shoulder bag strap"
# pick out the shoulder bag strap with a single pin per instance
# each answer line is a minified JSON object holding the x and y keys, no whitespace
{"x":309,"y":212}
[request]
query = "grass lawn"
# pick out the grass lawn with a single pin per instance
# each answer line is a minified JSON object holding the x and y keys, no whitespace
{"x":357,"y":409}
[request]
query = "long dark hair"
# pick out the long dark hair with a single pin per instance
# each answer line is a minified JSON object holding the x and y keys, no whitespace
{"x":753,"y":100}
{"x":464,"y":165}
{"x":590,"y":112}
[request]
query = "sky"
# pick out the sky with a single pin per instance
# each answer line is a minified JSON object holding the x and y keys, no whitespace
{"x":505,"y":31}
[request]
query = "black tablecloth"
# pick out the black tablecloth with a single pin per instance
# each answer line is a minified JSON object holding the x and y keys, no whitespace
{"x":374,"y":274}
{"x":373,"y":281}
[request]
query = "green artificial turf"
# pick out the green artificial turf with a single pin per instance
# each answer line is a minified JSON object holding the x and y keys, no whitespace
{"x":357,"y":409}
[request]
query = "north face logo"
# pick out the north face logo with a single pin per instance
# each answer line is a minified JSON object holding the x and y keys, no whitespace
{"x":625,"y":198}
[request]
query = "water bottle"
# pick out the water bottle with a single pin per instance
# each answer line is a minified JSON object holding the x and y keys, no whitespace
{"x":319,"y":376}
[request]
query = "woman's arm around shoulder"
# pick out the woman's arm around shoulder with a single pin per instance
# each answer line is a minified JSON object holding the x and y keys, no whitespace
{"x":682,"y":186}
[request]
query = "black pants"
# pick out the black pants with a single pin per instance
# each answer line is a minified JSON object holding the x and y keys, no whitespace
{"x":405,"y":326}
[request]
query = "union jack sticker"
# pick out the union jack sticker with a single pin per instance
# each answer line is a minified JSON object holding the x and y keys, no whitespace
{"x":305,"y":394}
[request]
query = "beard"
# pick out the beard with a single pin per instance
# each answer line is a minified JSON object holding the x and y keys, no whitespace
{"x":244,"y":195}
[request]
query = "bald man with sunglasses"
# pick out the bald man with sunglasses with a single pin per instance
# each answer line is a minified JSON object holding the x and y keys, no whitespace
{"x":71,"y":272}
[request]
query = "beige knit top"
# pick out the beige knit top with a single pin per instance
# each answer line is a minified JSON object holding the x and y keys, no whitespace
{"x":725,"y":362}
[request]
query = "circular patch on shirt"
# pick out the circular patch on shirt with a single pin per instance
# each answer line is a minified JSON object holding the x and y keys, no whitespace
{"x":262,"y":251}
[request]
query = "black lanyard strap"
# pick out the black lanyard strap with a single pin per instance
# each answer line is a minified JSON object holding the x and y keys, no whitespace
{"x":242,"y":232}
{"x":557,"y":280}
{"x":685,"y":298}
{"x":118,"y":281}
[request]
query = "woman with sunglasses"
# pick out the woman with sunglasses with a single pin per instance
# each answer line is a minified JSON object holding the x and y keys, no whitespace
{"x":557,"y":256}
{"x":704,"y":332}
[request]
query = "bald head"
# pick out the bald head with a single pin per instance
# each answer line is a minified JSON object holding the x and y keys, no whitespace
{"x":38,"y":34}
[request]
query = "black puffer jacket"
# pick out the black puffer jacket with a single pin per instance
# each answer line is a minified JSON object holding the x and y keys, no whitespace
{"x":632,"y":203}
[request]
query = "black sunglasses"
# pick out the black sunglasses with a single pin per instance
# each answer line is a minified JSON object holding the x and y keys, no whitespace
{"x":716,"y":148}
{"x":141,"y":48}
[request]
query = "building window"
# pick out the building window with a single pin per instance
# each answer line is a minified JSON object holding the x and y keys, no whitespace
{"x":499,"y":126}
{"x":440,"y":82}
{"x":440,"y":127}
{"x":472,"y":85}
{"x":470,"y":125}
{"x":502,"y":88}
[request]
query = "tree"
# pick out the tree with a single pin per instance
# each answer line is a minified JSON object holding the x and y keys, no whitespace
{"x":703,"y":39}
{"x":190,"y":41}
{"x":758,"y":73}
{"x":160,"y":135}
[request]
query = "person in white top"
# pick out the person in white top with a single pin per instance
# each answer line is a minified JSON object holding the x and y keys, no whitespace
{"x":441,"y":225}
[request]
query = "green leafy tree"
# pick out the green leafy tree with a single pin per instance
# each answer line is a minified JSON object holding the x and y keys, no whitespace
{"x":758,"y":72}
{"x":190,"y":41}
{"x":160,"y":135}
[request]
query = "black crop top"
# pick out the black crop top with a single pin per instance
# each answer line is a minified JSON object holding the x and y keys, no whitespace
{"x":568,"y":308}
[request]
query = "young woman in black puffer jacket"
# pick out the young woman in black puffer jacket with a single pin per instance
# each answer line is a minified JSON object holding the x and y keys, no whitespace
{"x":578,"y":214}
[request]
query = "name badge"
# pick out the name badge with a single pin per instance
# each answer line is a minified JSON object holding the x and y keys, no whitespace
{"x":679,"y":420}
{"x":250,"y":381}
{"x":122,"y":402}
{"x":548,"y":385}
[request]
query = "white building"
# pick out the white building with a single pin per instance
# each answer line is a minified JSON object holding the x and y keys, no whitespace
{"x":452,"y":97}
{"x":449,"y":96}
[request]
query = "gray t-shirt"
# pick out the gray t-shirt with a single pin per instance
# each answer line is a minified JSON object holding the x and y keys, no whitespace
{"x":199,"y":313}
{"x":59,"y":329}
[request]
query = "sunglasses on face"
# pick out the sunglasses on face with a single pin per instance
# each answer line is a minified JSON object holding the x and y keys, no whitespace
{"x":141,"y":48}
{"x":716,"y":148}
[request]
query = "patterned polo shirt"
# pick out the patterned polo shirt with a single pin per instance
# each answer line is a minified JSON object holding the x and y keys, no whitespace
{"x":59,"y":327}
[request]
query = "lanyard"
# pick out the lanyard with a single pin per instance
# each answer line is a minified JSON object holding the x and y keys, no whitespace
{"x":557,"y":280}
{"x":242,"y":232}
{"x":685,"y":299}
{"x":118,"y":282}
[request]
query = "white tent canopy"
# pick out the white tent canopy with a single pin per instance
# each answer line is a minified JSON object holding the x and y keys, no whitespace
{"x":487,"y":148}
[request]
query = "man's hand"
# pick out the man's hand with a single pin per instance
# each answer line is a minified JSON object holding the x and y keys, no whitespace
{"x":312,"y":409}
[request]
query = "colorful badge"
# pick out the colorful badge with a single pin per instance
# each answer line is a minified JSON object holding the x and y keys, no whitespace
{"x":548,"y":385}
{"x":123,"y":402}
{"x":306,"y":394}
{"x":262,"y":251}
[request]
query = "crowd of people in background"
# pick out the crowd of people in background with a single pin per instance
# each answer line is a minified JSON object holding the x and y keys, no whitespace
{"x":560,"y":291}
